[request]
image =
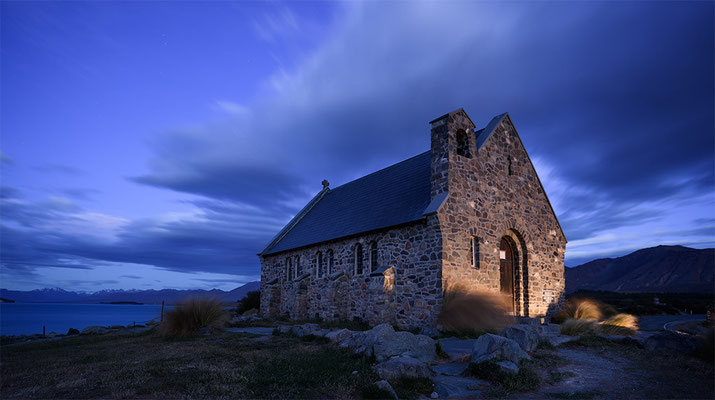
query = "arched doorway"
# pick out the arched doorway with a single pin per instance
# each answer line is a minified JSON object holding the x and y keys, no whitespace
{"x":507,"y":266}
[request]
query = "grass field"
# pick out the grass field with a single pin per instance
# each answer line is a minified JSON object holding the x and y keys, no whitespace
{"x":224,"y":365}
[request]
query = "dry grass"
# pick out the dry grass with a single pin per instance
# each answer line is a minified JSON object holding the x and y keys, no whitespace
{"x":620,"y":324}
{"x":580,"y":327}
{"x":583,"y":308}
{"x":150,"y":366}
{"x":191,"y":315}
{"x":466,"y":311}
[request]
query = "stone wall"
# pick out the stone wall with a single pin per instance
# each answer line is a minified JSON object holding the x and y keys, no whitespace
{"x":493,"y":192}
{"x":406,"y":293}
{"x":487,"y":202}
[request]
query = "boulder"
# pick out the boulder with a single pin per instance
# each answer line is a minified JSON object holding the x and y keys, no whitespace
{"x":493,"y":347}
{"x":94,"y":330}
{"x":51,"y":334}
{"x":385,"y":386}
{"x":549,"y":330}
{"x":429,"y":331}
{"x":339,"y":336}
{"x":508,"y":367}
{"x":404,"y":343}
{"x":526,"y":335}
{"x":458,"y":387}
{"x":72,"y":331}
{"x":670,"y":341}
{"x":283,"y":329}
{"x":306,"y":329}
{"x":450,"y":368}
{"x":402,"y":366}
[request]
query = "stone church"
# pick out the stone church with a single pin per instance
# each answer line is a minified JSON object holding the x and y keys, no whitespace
{"x":382,"y":247}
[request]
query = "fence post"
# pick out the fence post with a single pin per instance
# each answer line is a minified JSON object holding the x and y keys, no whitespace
{"x":43,"y":331}
{"x":162,"y":311}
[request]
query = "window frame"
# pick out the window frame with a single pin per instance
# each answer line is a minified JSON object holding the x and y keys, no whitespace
{"x":359,"y":267}
{"x":373,"y":256}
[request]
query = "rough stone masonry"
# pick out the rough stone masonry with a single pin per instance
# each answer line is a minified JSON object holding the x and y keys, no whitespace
{"x":382,"y":248}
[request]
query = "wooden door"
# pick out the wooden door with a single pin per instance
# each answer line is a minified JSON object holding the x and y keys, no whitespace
{"x":506,"y":270}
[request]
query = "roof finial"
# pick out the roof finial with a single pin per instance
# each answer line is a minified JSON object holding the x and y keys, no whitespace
{"x":325,"y":183}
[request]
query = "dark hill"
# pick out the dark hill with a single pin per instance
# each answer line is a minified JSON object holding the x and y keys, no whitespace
{"x":656,"y":269}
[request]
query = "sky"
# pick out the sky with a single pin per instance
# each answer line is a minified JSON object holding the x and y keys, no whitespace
{"x":153,"y":145}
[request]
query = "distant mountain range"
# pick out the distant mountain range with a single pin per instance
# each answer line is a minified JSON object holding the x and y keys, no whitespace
{"x":170,"y":296}
{"x":655,"y":269}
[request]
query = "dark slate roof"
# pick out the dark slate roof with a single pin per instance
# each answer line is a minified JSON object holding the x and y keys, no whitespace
{"x":392,"y":196}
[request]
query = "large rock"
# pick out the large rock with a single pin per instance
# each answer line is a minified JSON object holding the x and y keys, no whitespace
{"x":284,"y":329}
{"x":94,"y":330}
{"x":526,"y":335}
{"x":72,"y":331}
{"x":404,"y":343}
{"x":458,"y":387}
{"x":402,"y":366}
{"x":508,"y":367}
{"x":339,"y":336}
{"x":306,"y":329}
{"x":493,"y":347}
{"x":670,"y":341}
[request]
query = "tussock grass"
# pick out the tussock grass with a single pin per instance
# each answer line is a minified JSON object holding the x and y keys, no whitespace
{"x":191,"y":315}
{"x":579,"y":327}
{"x":583,"y":308}
{"x":467,"y":311}
{"x":620,"y":324}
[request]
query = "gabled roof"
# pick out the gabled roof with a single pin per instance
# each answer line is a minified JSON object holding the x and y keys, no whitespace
{"x":392,"y":196}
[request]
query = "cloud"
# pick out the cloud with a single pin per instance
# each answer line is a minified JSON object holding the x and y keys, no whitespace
{"x":618,"y":121}
{"x":600,"y":106}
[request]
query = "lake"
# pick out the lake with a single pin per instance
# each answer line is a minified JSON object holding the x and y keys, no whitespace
{"x":28,"y":318}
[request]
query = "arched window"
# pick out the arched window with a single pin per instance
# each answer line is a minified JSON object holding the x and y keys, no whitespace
{"x":289,"y":269}
{"x":298,"y":267}
{"x":463,"y":144}
{"x":319,"y":264}
{"x":358,"y":259}
{"x":373,"y":257}
{"x":331,"y":262}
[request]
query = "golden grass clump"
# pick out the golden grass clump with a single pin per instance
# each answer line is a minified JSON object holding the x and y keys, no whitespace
{"x":587,"y":309}
{"x":627,"y":321}
{"x":580,"y":327}
{"x":191,"y":315}
{"x":619,"y":324}
{"x":467,"y":311}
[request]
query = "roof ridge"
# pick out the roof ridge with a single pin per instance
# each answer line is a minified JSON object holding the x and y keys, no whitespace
{"x":379,"y":170}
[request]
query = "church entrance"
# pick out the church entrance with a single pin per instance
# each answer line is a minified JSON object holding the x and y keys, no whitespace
{"x":507,"y":265}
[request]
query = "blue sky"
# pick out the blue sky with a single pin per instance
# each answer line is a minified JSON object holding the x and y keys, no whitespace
{"x":162,"y":144}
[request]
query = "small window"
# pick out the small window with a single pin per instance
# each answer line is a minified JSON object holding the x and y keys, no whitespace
{"x":331,"y":262}
{"x":463,"y":144}
{"x":373,"y":257}
{"x":509,"y":168}
{"x":319,"y":264}
{"x":358,"y":259}
{"x":298,"y":267}
{"x":474,"y":251}
{"x":289,"y":269}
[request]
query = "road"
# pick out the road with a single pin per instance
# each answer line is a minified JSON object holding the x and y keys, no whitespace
{"x":662,"y":322}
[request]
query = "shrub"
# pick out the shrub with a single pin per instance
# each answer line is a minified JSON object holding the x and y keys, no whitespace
{"x":620,"y":324}
{"x":251,"y":301}
{"x":191,"y":315}
{"x":579,"y":327}
{"x":581,"y":308}
{"x":466,"y":311}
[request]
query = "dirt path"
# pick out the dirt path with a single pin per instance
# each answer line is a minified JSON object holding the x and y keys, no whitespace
{"x":615,"y":371}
